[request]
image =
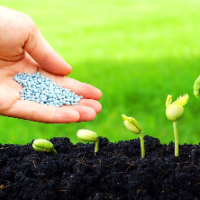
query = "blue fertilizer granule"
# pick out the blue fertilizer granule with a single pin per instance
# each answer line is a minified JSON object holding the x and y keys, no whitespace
{"x":44,"y":91}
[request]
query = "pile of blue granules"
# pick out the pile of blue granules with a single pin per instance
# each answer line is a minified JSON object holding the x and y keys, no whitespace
{"x":44,"y":91}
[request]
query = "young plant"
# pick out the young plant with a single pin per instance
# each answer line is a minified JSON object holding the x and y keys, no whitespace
{"x":89,"y":136}
{"x":173,"y":112}
{"x":43,"y":146}
{"x":197,"y":87}
{"x":133,"y":126}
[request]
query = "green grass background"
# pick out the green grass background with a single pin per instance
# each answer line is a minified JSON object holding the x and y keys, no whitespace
{"x":136,"y":51}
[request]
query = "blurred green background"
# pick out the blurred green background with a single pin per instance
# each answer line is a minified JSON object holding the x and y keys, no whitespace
{"x":136,"y":51}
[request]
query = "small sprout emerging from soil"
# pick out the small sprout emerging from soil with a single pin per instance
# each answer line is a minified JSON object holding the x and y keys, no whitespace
{"x":197,"y":87}
{"x":43,"y":146}
{"x":89,"y":136}
{"x":173,"y":112}
{"x":133,"y":126}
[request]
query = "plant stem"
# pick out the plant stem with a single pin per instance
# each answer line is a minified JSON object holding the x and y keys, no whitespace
{"x":54,"y":151}
{"x":96,"y":146}
{"x":176,"y":152}
{"x":142,"y":146}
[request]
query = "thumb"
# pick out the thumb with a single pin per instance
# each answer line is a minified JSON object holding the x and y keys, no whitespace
{"x":40,"y":50}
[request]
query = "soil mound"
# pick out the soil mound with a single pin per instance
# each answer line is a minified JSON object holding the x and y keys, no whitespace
{"x":116,"y":172}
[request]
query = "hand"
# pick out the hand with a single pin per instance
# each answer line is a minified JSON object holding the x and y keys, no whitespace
{"x":23,"y":48}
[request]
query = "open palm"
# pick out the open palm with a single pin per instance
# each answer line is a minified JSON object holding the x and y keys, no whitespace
{"x":23,"y":48}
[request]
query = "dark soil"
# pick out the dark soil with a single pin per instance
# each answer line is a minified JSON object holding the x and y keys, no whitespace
{"x":116,"y":172}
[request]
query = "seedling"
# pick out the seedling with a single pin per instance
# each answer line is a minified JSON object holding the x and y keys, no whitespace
{"x":133,"y":126}
{"x":43,"y":146}
{"x":173,"y":112}
{"x":89,"y":136}
{"x":197,"y":87}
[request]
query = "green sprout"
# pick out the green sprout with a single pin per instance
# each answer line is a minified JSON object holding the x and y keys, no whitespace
{"x":43,"y":146}
{"x":197,"y":87}
{"x":89,"y":136}
{"x":173,"y":112}
{"x":133,"y":126}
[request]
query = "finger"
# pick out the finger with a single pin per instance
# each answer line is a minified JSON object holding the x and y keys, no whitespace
{"x":44,"y":54}
{"x":86,"y":113}
{"x":91,"y":103}
{"x":28,"y":110}
{"x":86,"y":90}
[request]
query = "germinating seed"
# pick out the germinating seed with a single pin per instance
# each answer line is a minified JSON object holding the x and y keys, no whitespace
{"x":44,"y":91}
